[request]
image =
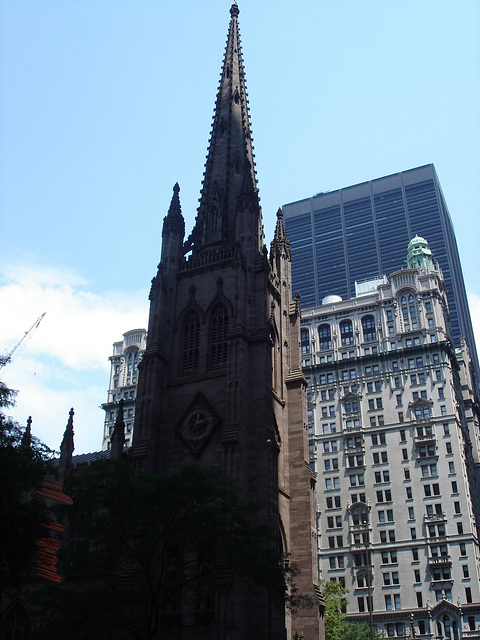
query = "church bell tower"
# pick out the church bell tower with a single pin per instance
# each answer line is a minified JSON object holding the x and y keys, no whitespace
{"x":220,"y":382}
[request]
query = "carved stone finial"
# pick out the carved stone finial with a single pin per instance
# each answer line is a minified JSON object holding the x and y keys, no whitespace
{"x":234,"y":10}
{"x":118,"y":435}
{"x":27,"y":436}
{"x":66,"y":449}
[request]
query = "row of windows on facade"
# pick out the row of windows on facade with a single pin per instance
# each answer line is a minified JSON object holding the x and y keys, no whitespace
{"x":129,"y":414}
{"x":410,"y":363}
{"x":356,"y":461}
{"x":393,"y":601}
{"x":393,"y":345}
{"x":128,"y":381}
{"x":436,"y":552}
{"x":421,"y":411}
{"x":385,"y":495}
{"x":384,"y":516}
{"x":127,"y":395}
{"x":409,"y":322}
{"x":400,"y":629}
{"x":423,"y":452}
{"x":376,"y":386}
{"x":422,"y":432}
{"x":431,"y":530}
{"x":217,"y":334}
{"x":391,"y":578}
{"x":404,"y":630}
{"x":353,"y":405}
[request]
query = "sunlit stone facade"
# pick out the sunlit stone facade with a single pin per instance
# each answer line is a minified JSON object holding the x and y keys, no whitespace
{"x":394,"y":442}
{"x":124,"y":361}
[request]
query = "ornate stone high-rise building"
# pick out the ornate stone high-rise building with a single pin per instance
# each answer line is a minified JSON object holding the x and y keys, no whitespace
{"x":395,"y":442}
{"x":124,"y":361}
{"x":220,"y":383}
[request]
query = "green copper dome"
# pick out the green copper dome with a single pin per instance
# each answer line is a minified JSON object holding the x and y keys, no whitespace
{"x":419,"y":255}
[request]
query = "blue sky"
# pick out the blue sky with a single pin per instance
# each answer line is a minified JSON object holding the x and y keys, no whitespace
{"x":105,"y":104}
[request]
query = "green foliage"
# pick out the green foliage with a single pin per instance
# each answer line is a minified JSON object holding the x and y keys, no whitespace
{"x":336,"y":626}
{"x":138,"y":547}
{"x":22,"y":465}
{"x":334,"y":594}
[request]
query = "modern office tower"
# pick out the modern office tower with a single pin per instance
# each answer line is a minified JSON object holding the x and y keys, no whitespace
{"x":127,"y":353}
{"x":341,"y":237}
{"x":394,"y":442}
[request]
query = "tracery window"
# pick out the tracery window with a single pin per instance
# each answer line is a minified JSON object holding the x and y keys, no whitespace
{"x":369,"y":331}
{"x":346,"y":332}
{"x":219,"y":329}
{"x":191,"y":341}
{"x":324,"y":337}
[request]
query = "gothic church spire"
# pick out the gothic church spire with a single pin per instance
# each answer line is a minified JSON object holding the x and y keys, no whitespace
{"x":229,"y":178}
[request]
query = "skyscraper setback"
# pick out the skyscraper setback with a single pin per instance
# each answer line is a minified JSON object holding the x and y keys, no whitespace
{"x":350,"y":234}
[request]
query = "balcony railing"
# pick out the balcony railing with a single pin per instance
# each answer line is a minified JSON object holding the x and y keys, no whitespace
{"x":352,"y":451}
{"x":435,"y":517}
{"x":426,"y":438}
{"x":440,"y":561}
{"x":350,"y":430}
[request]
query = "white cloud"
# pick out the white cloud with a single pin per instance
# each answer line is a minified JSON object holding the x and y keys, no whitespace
{"x":44,"y":394}
{"x":79,"y":327}
{"x":64,"y":363}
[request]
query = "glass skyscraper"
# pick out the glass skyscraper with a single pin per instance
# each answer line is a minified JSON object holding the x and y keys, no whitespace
{"x":351,"y":234}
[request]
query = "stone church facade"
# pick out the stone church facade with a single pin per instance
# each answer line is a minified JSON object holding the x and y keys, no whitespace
{"x":220,"y":383}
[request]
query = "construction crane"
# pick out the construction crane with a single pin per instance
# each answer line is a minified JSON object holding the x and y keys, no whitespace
{"x":6,"y":357}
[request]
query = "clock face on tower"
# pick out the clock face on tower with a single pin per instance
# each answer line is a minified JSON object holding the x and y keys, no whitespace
{"x":197,"y":424}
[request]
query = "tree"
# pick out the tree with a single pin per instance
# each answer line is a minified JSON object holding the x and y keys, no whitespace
{"x":336,"y":626}
{"x":137,"y":547}
{"x":23,"y":463}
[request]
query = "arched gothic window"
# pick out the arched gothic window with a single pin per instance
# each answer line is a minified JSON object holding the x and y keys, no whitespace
{"x":346,"y":332}
{"x":369,"y":331}
{"x":191,"y":341}
{"x":219,"y":330}
{"x":324,"y":337}
{"x":305,"y":340}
